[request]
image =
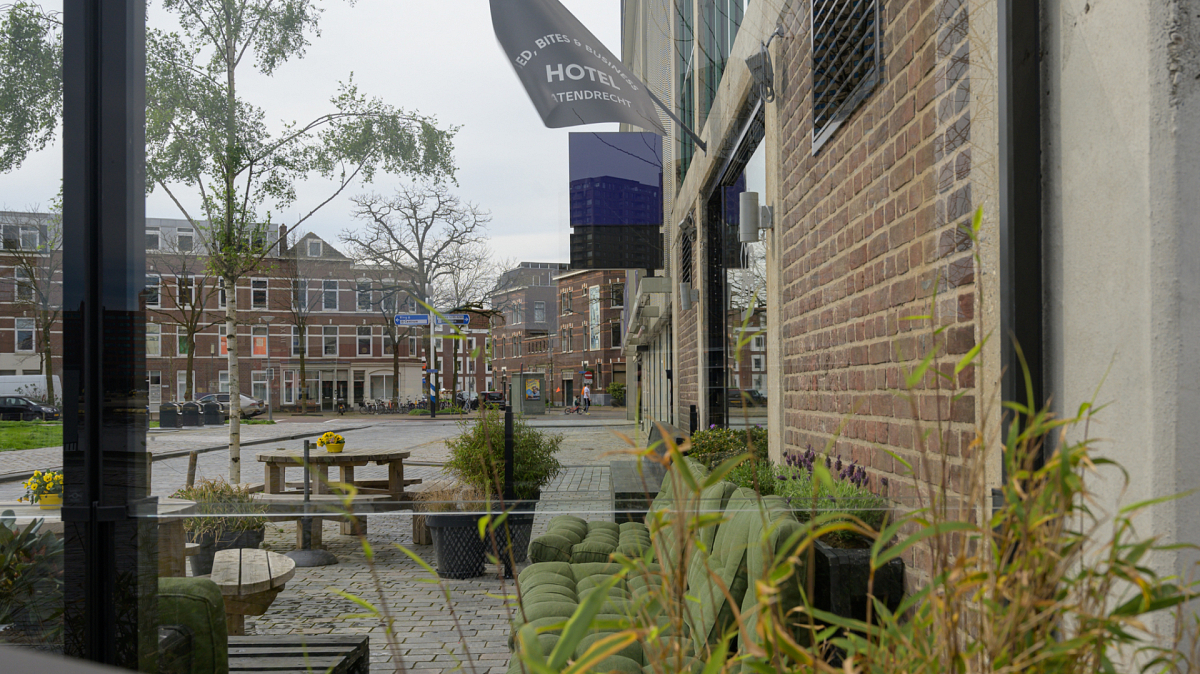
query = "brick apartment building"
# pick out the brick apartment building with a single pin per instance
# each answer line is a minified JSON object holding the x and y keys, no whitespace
{"x":567,"y":324}
{"x":350,"y":341}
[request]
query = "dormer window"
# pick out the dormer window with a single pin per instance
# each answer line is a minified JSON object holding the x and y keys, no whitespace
{"x":314,"y":249}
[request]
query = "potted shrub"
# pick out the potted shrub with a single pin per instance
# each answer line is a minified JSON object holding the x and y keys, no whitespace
{"x":229,"y":519}
{"x":452,"y":519}
{"x":477,"y":462}
{"x":31,"y":579}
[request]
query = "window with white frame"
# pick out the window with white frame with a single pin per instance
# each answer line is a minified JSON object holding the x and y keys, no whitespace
{"x":183,"y":239}
{"x":412,"y":346}
{"x":329,"y":297}
{"x":258,"y":341}
{"x":182,"y":346}
{"x":330,"y":340}
{"x":364,"y":340}
{"x":363,"y":295}
{"x":290,"y":377}
{"x":617,"y":295}
{"x":24,"y":335}
{"x":154,"y":384}
{"x":153,"y":340}
{"x":760,"y":342}
{"x":223,"y":381}
{"x":221,"y":300}
{"x":388,"y":301}
{"x":181,"y":385}
{"x":388,"y":344}
{"x":185,"y":289}
{"x":24,"y":285}
{"x":152,"y":238}
{"x":314,"y":248}
{"x":258,"y":384}
{"x":152,"y":296}
{"x":756,"y":363}
{"x":258,"y":293}
{"x":223,"y":340}
{"x":539,"y":312}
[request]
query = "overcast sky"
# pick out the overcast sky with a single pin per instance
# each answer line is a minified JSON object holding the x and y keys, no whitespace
{"x":438,"y":57}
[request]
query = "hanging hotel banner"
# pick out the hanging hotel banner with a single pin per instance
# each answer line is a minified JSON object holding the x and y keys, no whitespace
{"x":569,"y":75}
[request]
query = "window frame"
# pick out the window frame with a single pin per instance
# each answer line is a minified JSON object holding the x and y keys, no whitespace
{"x":256,"y":332}
{"x":539,"y":310}
{"x":358,"y":296}
{"x":255,"y":289}
{"x":153,"y":336}
{"x":325,"y":343}
{"x":359,"y":337}
{"x":157,"y":303}
{"x":326,"y":293}
{"x":320,"y":248}
{"x":17,"y":330}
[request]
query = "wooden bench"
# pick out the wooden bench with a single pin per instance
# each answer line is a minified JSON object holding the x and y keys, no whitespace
{"x":290,"y":506}
{"x":250,"y":580}
{"x":300,"y":654}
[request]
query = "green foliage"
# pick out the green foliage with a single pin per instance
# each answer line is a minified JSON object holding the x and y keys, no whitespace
{"x":477,"y":455}
{"x":30,"y":81}
{"x":617,"y":391}
{"x":713,"y":445}
{"x":798,"y":486}
{"x":31,"y":575}
{"x":222,"y":507}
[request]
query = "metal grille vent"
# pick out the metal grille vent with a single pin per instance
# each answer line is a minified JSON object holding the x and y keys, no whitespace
{"x":845,"y":56}
{"x":685,"y":257}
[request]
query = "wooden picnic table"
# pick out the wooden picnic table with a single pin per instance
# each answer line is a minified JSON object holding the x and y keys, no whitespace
{"x":249,"y":579}
{"x":276,"y":462}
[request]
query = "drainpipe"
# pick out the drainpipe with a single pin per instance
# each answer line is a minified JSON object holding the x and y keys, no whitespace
{"x":1022,"y":298}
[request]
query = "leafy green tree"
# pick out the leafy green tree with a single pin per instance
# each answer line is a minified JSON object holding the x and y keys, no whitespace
{"x":30,"y":80}
{"x":204,"y":139}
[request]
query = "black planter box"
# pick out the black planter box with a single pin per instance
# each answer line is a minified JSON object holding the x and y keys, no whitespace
{"x":461,"y":553}
{"x":842,"y":578}
{"x":202,"y":561}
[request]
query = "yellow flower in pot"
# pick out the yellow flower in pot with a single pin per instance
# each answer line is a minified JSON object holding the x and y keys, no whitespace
{"x":44,"y":488}
{"x":332,"y":442}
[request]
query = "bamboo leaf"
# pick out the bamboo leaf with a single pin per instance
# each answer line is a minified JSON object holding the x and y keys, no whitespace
{"x":579,"y":624}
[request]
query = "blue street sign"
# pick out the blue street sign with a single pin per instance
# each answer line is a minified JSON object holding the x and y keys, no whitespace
{"x":453,"y":319}
{"x":432,"y":371}
{"x":412,"y":319}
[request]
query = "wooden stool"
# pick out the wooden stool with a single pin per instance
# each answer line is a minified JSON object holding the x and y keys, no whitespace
{"x":250,"y":580}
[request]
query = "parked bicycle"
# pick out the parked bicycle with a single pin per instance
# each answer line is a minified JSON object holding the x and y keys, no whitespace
{"x":575,"y":408}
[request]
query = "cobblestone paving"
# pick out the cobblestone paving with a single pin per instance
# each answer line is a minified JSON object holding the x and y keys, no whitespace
{"x":431,"y":638}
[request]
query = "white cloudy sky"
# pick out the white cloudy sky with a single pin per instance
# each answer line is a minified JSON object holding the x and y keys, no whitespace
{"x":436,"y":56}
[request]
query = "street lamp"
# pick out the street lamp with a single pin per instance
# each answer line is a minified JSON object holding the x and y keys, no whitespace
{"x":270,"y":372}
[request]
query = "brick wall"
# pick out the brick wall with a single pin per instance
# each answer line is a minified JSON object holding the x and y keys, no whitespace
{"x":688,"y":353}
{"x":870,"y":226}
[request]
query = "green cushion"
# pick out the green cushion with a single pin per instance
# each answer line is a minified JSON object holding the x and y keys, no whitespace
{"x":618,"y":663}
{"x":591,"y":582}
{"x":609,"y":527}
{"x":550,"y":547}
{"x":197,"y":604}
{"x":562,"y":524}
{"x":762,"y":547}
{"x":582,"y":570}
{"x":634,"y":527}
{"x":592,"y":551}
{"x":549,"y":592}
{"x":538,"y":624}
{"x":540,"y":568}
{"x":547,"y":608}
{"x":632,"y":651}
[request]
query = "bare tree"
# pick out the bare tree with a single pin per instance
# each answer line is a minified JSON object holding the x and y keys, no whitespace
{"x":389,"y":298}
{"x":305,"y":276}
{"x":33,"y":241}
{"x":467,"y":286}
{"x":420,"y":234}
{"x":186,"y":285}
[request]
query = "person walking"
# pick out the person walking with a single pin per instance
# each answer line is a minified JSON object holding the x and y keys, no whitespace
{"x":587,"y":399}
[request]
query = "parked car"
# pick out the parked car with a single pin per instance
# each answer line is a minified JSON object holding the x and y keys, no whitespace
{"x":493,"y":398}
{"x":18,"y":408}
{"x":747,"y":398}
{"x":251,"y":407}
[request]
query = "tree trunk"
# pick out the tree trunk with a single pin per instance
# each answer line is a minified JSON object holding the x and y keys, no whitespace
{"x":235,"y":388}
{"x":48,"y":359}
{"x":189,"y":386}
{"x":303,"y":380}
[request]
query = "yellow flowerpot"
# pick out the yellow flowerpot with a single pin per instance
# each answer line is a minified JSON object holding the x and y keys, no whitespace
{"x":50,"y":501}
{"x":335,"y":447}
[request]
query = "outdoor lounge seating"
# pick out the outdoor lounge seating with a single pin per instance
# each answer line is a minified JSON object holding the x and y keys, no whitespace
{"x":195,"y":639}
{"x":572,"y":559}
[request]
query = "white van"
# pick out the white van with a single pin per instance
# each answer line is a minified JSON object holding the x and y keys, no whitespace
{"x":32,"y":386}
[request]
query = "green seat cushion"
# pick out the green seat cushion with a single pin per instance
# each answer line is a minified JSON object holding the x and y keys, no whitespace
{"x":539,"y":624}
{"x":548,"y":592}
{"x":197,"y":604}
{"x":560,"y":568}
{"x":617,"y":663}
{"x":632,"y":651}
{"x":609,"y":527}
{"x":550,"y":547}
{"x":591,"y":582}
{"x":582,"y":570}
{"x":577,"y":527}
{"x":592,"y":551}
{"x":637,"y":527}
{"x":546,"y":608}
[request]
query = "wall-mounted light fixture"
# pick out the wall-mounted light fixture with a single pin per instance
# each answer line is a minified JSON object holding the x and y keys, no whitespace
{"x":753,"y":217}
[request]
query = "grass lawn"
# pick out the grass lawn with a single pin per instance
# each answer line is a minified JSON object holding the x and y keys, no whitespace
{"x":29,"y":434}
